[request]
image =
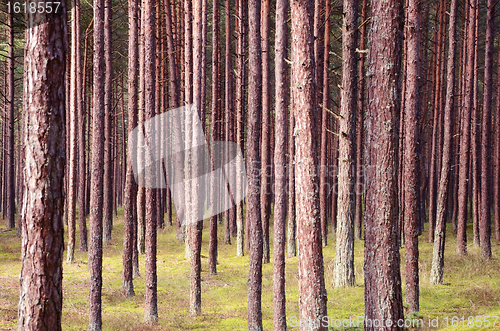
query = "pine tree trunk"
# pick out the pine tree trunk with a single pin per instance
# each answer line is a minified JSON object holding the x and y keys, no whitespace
{"x":130,"y":198}
{"x":97,"y":171}
{"x":40,"y":304}
{"x":463,"y":178}
{"x":410,"y":163}
{"x":253,"y":216}
{"x":82,"y":163}
{"x":265,"y":191}
{"x":151,"y":304}
{"x":291,"y":219}
{"x":279,"y":300}
{"x":240,"y":111}
{"x":73,"y":153}
{"x":383,"y":297}
{"x":358,"y":216}
{"x":343,"y":273}
{"x":312,"y":294}
{"x":10,"y":167}
{"x":212,"y":249}
{"x":485,"y":206}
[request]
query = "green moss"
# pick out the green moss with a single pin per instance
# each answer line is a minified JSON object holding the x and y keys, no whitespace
{"x":471,"y":286}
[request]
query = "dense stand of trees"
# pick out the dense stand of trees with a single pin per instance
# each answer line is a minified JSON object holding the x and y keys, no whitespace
{"x":367,"y":118}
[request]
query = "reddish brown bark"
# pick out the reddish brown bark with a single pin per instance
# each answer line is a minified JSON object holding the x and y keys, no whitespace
{"x":410,"y":164}
{"x":212,"y":248}
{"x":10,"y":175}
{"x":383,"y":297}
{"x":323,"y":170}
{"x":496,"y":163}
{"x":150,"y":302}
{"x":229,"y":105}
{"x":485,"y":205}
{"x":97,"y":171}
{"x":265,"y":188}
{"x":40,"y":304}
{"x":463,"y":178}
{"x":343,"y":273}
{"x":358,"y":216}
{"x":279,"y":301}
{"x":130,"y":198}
{"x":312,"y":294}
{"x":73,"y":153}
{"x":253,"y":216}
{"x":108,"y":146}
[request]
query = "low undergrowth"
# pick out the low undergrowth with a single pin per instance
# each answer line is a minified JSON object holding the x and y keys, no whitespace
{"x":471,"y":287}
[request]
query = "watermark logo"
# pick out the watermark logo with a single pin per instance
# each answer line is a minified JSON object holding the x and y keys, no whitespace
{"x":170,"y":150}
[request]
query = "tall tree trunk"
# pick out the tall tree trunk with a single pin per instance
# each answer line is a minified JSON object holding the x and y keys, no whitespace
{"x":228,"y":103}
{"x":291,"y":219}
{"x":240,"y":111}
{"x":312,"y":294}
{"x":383,"y":297}
{"x":130,"y":198}
{"x":485,"y":214}
{"x":82,"y":132}
{"x":151,"y":303}
{"x":73,"y":153}
{"x":97,"y":171}
{"x":40,"y":304}
{"x":439,"y":237}
{"x":323,"y":169}
{"x":343,"y":273}
{"x":279,"y":301}
{"x":108,"y":99}
{"x":463,"y":178}
{"x":10,"y":168}
{"x":358,"y":216}
{"x":212,"y":250}
{"x":496,"y":159}
{"x":253,"y":216}
{"x":410,"y":155}
{"x":265,"y":189}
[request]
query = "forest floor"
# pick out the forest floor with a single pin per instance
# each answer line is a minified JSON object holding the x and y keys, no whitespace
{"x":471,"y":287}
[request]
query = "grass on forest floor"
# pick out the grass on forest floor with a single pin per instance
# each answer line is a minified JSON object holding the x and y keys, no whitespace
{"x":471,"y":286}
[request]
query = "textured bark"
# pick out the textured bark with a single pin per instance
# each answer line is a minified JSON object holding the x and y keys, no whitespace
{"x":40,"y":304}
{"x":212,"y":248}
{"x":130,"y":198}
{"x":279,"y":301}
{"x":150,"y":302}
{"x":141,"y":193}
{"x":253,"y":216}
{"x":312,"y":293}
{"x":97,"y":171}
{"x":485,"y":205}
{"x":228,"y":103}
{"x":475,"y":137}
{"x":343,"y":273}
{"x":358,"y":216}
{"x":291,"y":219}
{"x":463,"y":178}
{"x":410,"y":155}
{"x":323,"y":169}
{"x":383,"y":297}
{"x":10,"y":185}
{"x":433,"y":172}
{"x":496,"y":158}
{"x":265,"y":189}
{"x":73,"y":153}
{"x":108,"y":146}
{"x":82,"y":133}
{"x":240,"y":111}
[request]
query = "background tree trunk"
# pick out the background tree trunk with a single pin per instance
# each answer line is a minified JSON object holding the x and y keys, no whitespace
{"x":253,"y":216}
{"x":343,"y":273}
